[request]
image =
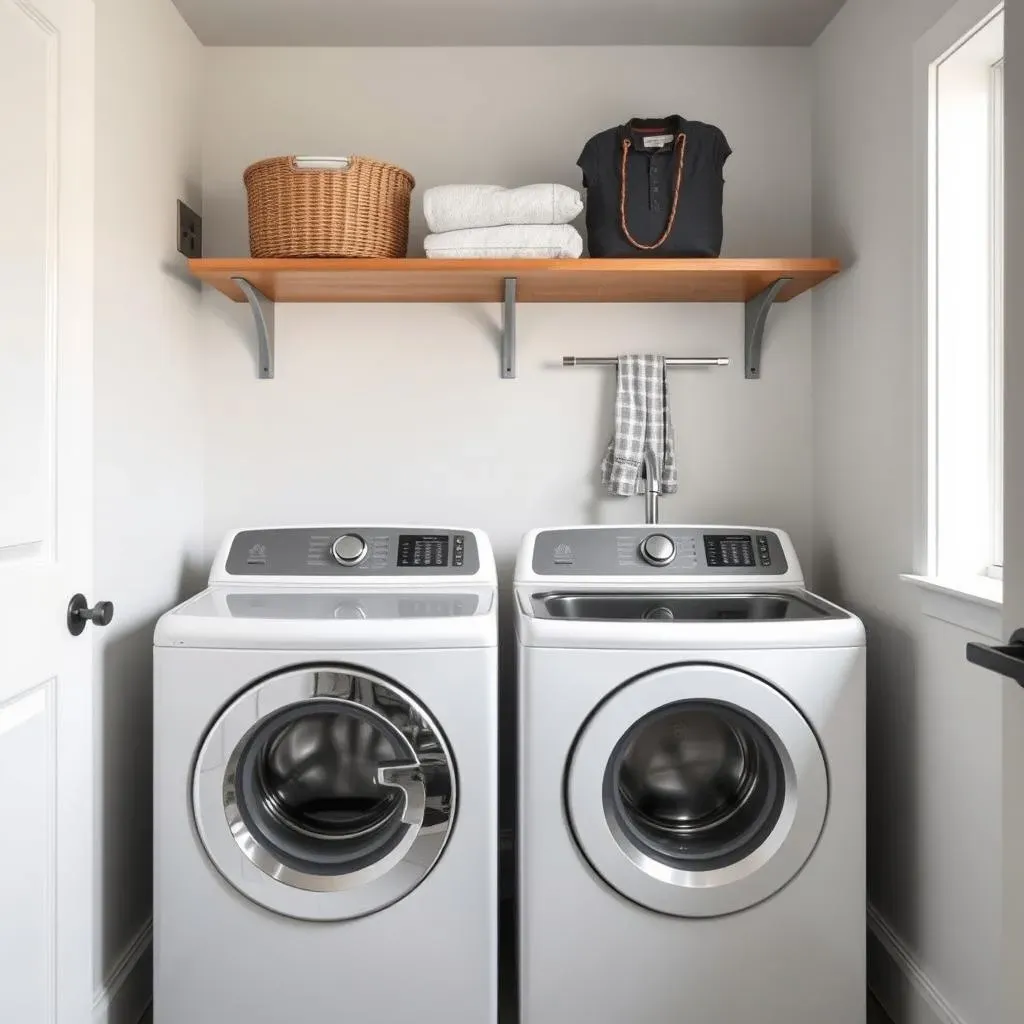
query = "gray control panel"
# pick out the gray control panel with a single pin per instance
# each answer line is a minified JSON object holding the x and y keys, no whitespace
{"x":331,"y":605}
{"x":353,"y":551}
{"x":658,"y":551}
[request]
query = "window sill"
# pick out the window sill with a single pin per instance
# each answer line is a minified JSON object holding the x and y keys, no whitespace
{"x":974,"y":603}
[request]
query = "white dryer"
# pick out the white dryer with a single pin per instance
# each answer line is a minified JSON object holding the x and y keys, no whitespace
{"x":691,"y":784}
{"x":325,"y":818}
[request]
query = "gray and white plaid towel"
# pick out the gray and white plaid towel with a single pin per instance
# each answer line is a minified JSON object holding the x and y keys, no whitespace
{"x":643,"y":420}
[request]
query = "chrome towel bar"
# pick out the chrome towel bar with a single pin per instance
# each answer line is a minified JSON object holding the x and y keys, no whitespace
{"x":671,"y":363}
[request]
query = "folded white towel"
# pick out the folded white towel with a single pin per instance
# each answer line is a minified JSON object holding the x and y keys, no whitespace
{"x":511,"y":241}
{"x":455,"y":207}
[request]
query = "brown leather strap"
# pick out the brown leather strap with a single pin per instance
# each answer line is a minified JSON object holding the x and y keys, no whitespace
{"x":677,"y":188}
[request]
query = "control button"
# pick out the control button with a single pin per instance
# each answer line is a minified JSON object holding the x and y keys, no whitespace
{"x":349,"y":549}
{"x":658,"y":549}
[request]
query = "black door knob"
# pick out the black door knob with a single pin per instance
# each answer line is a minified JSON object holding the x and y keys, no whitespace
{"x":79,"y":613}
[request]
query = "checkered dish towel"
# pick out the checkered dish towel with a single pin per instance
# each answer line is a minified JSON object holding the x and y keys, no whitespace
{"x":643,"y":420}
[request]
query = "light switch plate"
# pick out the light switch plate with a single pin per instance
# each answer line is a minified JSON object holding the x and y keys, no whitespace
{"x":190,"y":231}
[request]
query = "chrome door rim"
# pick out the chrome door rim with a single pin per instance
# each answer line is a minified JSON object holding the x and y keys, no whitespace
{"x":629,"y":869}
{"x":284,"y":888}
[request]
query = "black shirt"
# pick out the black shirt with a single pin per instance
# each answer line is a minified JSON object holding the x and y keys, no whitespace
{"x":651,"y":169}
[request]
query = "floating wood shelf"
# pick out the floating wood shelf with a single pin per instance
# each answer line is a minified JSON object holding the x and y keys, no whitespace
{"x":422,"y":280}
{"x":757,"y":283}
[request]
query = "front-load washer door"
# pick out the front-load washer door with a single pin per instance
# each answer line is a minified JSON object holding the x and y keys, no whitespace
{"x":324,"y":792}
{"x":697,"y":790}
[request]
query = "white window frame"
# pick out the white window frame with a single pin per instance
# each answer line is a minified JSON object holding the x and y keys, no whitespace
{"x":964,"y":306}
{"x":971,"y":593}
{"x":997,"y":158}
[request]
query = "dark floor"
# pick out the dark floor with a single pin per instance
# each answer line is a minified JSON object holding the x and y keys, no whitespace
{"x":875,"y":1015}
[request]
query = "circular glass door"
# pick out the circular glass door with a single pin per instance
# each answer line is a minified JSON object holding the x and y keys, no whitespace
{"x":333,"y":783}
{"x":697,"y":790}
{"x":696,"y":784}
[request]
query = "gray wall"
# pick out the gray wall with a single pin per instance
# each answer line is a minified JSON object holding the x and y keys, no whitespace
{"x":381,"y":412}
{"x":148,"y":486}
{"x":935,"y":723}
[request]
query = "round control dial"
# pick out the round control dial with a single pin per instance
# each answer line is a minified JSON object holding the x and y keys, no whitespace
{"x":349,"y":549}
{"x":658,"y":549}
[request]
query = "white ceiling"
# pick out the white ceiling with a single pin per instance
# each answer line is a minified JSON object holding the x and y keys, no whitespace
{"x":500,"y":23}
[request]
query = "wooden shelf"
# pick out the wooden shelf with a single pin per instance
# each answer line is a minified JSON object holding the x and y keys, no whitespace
{"x":584,"y":280}
{"x":759,"y":284}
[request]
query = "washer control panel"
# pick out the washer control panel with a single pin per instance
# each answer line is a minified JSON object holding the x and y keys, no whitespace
{"x":334,"y":605}
{"x":352,"y":551}
{"x":658,"y":550}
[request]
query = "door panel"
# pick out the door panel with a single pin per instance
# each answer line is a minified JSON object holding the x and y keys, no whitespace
{"x":27,"y":883}
{"x":27,"y":54}
{"x":46,"y":696}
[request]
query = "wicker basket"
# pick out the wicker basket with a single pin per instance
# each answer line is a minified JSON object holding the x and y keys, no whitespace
{"x":326,"y":206}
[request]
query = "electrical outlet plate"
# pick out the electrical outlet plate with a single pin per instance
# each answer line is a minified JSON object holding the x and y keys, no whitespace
{"x":190,"y":232}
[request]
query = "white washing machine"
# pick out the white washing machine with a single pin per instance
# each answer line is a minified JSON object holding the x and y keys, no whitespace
{"x":325,"y":719}
{"x":691,"y":785}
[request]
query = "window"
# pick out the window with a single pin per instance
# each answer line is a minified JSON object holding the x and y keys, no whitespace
{"x":965,"y":306}
{"x":998,"y":192}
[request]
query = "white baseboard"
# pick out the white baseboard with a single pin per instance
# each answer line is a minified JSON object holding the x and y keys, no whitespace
{"x":128,"y":989}
{"x":896,"y":980}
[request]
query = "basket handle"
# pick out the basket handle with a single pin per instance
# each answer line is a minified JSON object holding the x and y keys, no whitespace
{"x":321,"y":163}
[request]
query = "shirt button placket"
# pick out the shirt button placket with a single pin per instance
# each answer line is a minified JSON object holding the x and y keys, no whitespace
{"x":655,"y":184}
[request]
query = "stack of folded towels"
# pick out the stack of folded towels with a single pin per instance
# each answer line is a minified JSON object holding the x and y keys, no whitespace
{"x":491,"y":222}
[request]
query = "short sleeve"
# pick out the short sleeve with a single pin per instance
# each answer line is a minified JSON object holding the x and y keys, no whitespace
{"x":722,"y":148}
{"x":589,"y":164}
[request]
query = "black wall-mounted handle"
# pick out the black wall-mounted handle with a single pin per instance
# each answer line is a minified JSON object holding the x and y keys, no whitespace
{"x":1007,"y":660}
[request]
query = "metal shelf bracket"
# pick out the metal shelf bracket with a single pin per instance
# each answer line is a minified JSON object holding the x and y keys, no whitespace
{"x":756,"y":318}
{"x":263,"y":317}
{"x":757,"y":310}
{"x":508,"y":331}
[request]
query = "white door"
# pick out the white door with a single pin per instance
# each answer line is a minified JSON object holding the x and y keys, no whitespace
{"x":46,"y":698}
{"x":1008,"y":660}
{"x":1013,"y":517}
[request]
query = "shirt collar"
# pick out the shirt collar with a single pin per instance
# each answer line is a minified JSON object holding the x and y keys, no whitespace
{"x":639,"y":128}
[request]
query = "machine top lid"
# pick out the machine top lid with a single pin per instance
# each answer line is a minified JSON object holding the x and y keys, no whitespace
{"x":337,"y":619}
{"x":359,"y":556}
{"x":667,"y":556}
{"x":678,"y":620}
{"x":684,"y":606}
